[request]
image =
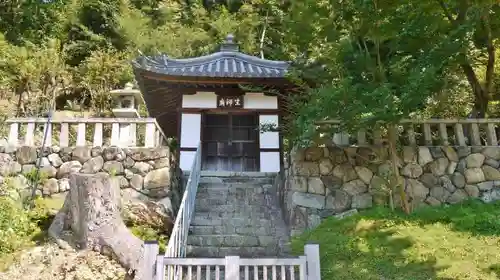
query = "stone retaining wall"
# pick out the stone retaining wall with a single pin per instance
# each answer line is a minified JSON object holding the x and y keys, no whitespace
{"x":144,"y":173}
{"x":321,"y":182}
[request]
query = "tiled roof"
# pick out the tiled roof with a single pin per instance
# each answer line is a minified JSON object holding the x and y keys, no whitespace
{"x":227,"y":62}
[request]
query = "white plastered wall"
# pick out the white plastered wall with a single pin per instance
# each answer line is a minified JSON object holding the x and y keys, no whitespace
{"x":191,"y":125}
{"x":204,"y":100}
{"x":190,"y":138}
{"x":269,"y":161}
{"x":253,"y":100}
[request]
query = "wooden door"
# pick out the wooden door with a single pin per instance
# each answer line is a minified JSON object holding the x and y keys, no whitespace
{"x":230,"y":142}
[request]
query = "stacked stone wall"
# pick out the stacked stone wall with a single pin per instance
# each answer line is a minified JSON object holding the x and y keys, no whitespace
{"x":322,"y":182}
{"x":144,"y":173}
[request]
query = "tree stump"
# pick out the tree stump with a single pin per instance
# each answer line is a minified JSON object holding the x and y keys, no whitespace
{"x":91,"y":214}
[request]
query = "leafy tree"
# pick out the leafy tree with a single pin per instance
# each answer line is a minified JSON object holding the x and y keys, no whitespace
{"x":380,"y":61}
{"x":101,"y":72}
{"x":34,"y":74}
{"x":32,"y":21}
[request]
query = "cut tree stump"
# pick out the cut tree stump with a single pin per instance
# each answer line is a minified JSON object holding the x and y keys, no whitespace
{"x":91,"y":215}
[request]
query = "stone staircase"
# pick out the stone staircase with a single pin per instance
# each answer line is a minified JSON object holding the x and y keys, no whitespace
{"x":239,"y":216}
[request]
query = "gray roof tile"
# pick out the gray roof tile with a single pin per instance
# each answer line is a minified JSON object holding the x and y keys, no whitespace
{"x":228,"y":62}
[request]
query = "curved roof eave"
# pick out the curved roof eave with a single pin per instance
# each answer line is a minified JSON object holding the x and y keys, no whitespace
{"x":226,"y":63}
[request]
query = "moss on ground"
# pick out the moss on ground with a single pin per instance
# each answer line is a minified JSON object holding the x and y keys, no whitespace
{"x":449,"y":242}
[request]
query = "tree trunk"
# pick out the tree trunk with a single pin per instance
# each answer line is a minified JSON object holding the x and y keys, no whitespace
{"x":396,"y":178}
{"x":91,"y":214}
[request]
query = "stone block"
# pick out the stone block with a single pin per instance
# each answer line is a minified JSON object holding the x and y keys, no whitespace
{"x":475,"y":160}
{"x":474,"y":175}
{"x":309,"y":200}
{"x":315,"y":186}
{"x":412,"y":170}
{"x":424,"y":156}
{"x":450,"y":153}
{"x":362,"y":201}
{"x":355,"y":187}
{"x":364,"y":174}
{"x":338,"y":201}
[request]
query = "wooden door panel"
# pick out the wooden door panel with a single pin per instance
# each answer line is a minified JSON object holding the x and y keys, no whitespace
{"x":230,"y":142}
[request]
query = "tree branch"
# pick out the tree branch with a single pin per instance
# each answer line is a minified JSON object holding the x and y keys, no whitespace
{"x":490,"y":66}
{"x":446,"y":11}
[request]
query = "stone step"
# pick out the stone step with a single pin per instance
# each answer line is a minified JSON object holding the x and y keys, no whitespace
{"x":230,"y":229}
{"x":223,"y":180}
{"x":221,"y":252}
{"x":233,"y":240}
{"x":248,"y":196}
{"x":203,"y":220}
{"x":254,"y":215}
{"x":232,"y":187}
{"x":202,"y":201}
{"x":231,"y":207}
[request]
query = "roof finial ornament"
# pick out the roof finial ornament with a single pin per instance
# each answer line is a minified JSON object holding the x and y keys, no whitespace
{"x":229,"y":45}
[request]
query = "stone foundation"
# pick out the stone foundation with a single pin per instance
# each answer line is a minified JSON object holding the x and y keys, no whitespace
{"x":144,"y":173}
{"x":321,"y":182}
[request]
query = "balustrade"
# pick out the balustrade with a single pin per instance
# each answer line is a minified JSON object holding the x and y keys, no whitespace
{"x":96,"y":132}
{"x":433,"y":132}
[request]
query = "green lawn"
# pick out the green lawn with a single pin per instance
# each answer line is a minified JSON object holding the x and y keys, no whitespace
{"x":453,"y":242}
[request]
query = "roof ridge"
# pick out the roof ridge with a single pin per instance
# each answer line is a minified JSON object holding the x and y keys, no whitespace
{"x":210,"y":65}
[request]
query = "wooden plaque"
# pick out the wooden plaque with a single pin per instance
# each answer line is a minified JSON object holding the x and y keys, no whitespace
{"x":229,"y":101}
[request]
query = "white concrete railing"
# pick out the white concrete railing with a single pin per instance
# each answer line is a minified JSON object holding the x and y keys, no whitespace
{"x":177,"y":247}
{"x":432,"y":132}
{"x":96,"y":132}
{"x":305,"y":267}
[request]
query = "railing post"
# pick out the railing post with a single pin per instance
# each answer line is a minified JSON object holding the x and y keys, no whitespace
{"x":232,"y":268}
{"x":160,"y":268}
{"x":149,"y":139}
{"x":151,"y":251}
{"x":29,"y":139}
{"x":97,"y":135}
{"x":47,"y":132}
{"x":313,"y":266}
{"x":80,"y":135}
{"x":64,"y":135}
{"x":115,"y":134}
{"x":14,"y":134}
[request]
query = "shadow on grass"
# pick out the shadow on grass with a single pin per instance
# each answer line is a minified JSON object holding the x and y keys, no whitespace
{"x":43,"y":223}
{"x":472,"y":216}
{"x":495,"y":268}
{"x":366,"y":246}
{"x":366,"y":250}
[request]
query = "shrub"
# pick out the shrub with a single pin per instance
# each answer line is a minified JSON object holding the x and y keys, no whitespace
{"x":147,"y":233}
{"x":16,"y":226}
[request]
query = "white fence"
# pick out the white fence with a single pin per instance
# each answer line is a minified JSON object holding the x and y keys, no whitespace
{"x":96,"y":132}
{"x":306,"y":267}
{"x":431,"y":132}
{"x":177,"y":242}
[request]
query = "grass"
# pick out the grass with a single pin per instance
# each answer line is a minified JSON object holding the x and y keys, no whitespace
{"x":449,"y":242}
{"x":32,"y":230}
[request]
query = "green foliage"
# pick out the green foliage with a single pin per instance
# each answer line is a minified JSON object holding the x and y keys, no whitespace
{"x":76,"y":51}
{"x":36,"y":176}
{"x":146,"y":233}
{"x":447,"y":242}
{"x":16,"y":227}
{"x":32,"y":21}
{"x":20,"y":227}
{"x":382,"y":61}
{"x":101,"y":72}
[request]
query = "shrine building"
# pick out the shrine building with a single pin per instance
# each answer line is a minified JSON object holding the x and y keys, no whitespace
{"x":203,"y":100}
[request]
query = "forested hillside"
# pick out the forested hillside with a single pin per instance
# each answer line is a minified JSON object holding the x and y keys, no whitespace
{"x":378,"y":60}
